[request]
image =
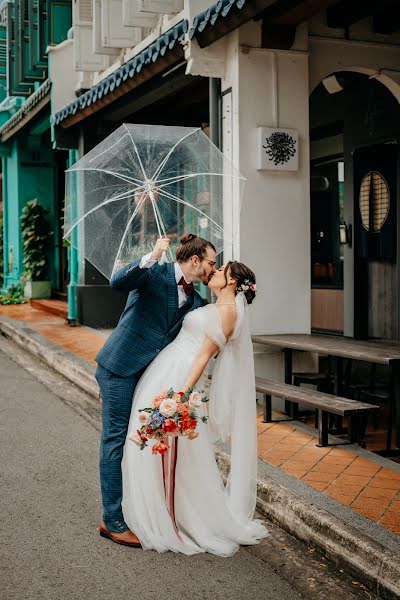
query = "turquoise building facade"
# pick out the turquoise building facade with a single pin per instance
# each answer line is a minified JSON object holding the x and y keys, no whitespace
{"x":30,"y":167}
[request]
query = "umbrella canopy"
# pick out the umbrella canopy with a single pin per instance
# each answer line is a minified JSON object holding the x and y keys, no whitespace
{"x":143,"y":182}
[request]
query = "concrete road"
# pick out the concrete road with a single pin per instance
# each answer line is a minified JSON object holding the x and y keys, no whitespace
{"x":50,"y":509}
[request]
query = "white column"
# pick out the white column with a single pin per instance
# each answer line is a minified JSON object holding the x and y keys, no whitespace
{"x":270,"y":88}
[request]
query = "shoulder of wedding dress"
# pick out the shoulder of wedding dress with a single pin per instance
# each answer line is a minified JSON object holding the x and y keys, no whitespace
{"x":224,"y":316}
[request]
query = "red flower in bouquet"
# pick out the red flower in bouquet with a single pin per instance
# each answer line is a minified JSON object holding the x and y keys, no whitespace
{"x":170,"y":426}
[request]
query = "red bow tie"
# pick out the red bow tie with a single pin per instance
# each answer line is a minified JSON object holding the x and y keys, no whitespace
{"x":188,"y":288}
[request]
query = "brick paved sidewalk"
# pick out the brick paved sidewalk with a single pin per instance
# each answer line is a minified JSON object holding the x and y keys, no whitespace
{"x":361,"y":483}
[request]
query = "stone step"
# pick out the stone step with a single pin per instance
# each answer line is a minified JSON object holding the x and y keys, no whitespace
{"x":55,"y":307}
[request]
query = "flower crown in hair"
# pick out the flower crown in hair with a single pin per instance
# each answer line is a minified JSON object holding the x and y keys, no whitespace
{"x":247,"y":285}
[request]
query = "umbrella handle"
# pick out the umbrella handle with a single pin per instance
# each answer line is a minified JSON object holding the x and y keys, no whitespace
{"x":164,"y":256}
{"x":169,"y":251}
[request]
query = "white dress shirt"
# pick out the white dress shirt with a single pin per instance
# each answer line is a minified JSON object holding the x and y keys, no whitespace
{"x":147,"y":262}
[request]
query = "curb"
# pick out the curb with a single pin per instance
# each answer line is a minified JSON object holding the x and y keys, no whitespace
{"x":62,"y":361}
{"x":360,"y":555}
{"x":347,"y":547}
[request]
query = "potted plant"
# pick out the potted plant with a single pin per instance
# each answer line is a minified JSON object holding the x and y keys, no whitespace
{"x":35,"y":236}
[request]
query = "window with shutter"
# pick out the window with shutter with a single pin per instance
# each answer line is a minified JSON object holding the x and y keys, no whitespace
{"x":3,"y":51}
{"x":82,"y":12}
{"x":98,"y":48}
{"x":59,"y":20}
{"x":114,"y":34}
{"x":131,"y":17}
{"x":35,"y":59}
{"x":84,"y":57}
{"x":85,"y":11}
{"x":19,"y":76}
{"x":162,"y":7}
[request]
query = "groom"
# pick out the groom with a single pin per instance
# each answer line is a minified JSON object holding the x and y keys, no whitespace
{"x":160,"y":296}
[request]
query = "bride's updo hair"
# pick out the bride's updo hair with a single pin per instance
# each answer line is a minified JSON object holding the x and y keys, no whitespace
{"x":192,"y":245}
{"x":245,"y":279}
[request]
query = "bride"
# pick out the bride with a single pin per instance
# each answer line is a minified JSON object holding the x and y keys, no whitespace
{"x":205,"y":515}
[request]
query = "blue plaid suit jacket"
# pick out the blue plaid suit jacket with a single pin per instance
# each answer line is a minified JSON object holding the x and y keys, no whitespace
{"x":150,"y":321}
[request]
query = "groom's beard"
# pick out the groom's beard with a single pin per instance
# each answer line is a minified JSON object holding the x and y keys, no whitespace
{"x":207,"y":278}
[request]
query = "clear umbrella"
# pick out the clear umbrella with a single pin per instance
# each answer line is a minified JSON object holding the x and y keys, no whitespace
{"x":148,"y":181}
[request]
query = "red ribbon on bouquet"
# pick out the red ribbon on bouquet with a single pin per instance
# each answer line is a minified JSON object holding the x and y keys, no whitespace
{"x":169,"y":469}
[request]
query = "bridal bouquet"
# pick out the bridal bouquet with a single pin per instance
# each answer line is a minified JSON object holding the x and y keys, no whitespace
{"x":171,"y":414}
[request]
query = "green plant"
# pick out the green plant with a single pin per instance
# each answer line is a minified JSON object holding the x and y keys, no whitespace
{"x":14,"y":295}
{"x":1,"y":251}
{"x":35,"y":236}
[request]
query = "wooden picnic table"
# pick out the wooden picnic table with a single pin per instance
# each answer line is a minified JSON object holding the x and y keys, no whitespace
{"x":373,"y":351}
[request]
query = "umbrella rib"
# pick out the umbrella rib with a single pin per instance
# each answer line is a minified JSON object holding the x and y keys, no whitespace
{"x":178,"y":178}
{"x":137,"y":154}
{"x":123,"y":177}
{"x":172,"y":197}
{"x":165,"y":160}
{"x":114,"y":199}
{"x":133,"y":215}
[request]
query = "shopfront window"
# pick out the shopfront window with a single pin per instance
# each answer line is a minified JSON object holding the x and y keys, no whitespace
{"x":327,"y":196}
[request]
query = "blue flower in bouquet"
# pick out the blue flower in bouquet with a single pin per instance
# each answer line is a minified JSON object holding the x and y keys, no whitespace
{"x":156,"y":419}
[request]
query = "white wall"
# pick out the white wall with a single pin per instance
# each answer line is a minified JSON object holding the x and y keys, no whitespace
{"x":271,"y":89}
{"x":275,"y":215}
{"x":62,"y":74}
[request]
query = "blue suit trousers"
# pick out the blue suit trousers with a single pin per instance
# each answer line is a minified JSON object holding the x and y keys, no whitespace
{"x":117,"y":394}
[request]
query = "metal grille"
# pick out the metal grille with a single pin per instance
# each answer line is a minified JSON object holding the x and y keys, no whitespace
{"x":3,"y":52}
{"x":375,"y":197}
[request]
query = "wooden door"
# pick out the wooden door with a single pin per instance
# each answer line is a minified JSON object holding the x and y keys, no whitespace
{"x":375,"y":209}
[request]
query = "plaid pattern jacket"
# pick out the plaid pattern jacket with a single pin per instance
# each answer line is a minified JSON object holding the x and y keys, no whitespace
{"x":150,"y":321}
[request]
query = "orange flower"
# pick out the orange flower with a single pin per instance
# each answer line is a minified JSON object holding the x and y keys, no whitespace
{"x":159,"y":448}
{"x":182,"y":409}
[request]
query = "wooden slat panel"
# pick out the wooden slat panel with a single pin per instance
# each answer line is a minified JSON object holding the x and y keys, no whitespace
{"x":327,"y":309}
{"x":382,"y":300}
{"x":330,"y":403}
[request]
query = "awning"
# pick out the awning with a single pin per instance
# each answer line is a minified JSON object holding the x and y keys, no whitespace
{"x":222,"y":18}
{"x":33,"y":105}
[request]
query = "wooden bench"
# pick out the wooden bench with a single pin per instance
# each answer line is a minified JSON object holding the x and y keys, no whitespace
{"x":325,"y":404}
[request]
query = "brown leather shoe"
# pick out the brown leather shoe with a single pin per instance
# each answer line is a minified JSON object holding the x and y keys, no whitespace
{"x":126,"y":538}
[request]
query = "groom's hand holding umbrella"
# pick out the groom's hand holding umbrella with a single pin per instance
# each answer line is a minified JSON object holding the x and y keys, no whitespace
{"x":162,"y":245}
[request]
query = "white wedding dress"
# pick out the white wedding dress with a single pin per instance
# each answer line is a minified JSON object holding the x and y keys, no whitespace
{"x":210,"y":517}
